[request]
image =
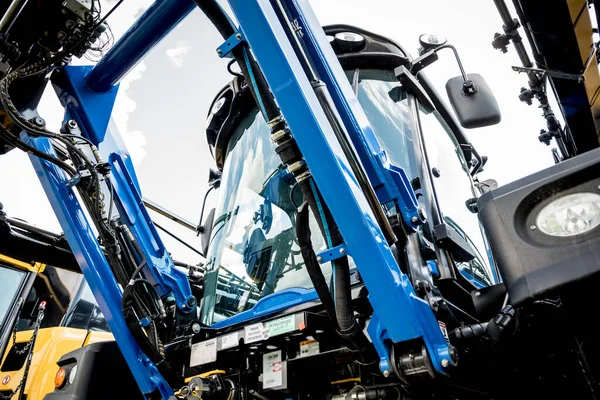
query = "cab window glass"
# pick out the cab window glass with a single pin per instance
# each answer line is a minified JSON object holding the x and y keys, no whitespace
{"x":84,"y":312}
{"x":10,"y":282}
{"x":54,"y":286}
{"x":453,"y":187}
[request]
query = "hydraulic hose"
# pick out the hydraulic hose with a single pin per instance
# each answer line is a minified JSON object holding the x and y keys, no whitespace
{"x":312,"y":265}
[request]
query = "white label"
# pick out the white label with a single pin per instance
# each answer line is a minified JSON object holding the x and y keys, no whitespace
{"x":255,"y":333}
{"x":229,"y":341}
{"x":308,"y":348}
{"x":204,"y":353}
{"x":444,"y":331}
{"x":281,"y":325}
{"x":272,"y":370}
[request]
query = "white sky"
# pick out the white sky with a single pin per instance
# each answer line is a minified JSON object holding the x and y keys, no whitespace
{"x":162,"y":104}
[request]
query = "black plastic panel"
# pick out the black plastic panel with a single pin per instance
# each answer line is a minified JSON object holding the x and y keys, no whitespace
{"x":531,"y":262}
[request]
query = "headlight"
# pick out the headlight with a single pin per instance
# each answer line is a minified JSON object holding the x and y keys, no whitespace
{"x":570,"y":215}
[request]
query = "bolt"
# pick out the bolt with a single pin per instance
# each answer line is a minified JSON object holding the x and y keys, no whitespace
{"x":70,"y":24}
{"x":72,"y":124}
{"x":533,"y":227}
{"x":320,"y":259}
{"x":191,"y":302}
{"x":414,"y":219}
{"x":477,"y":294}
{"x":445,"y":363}
{"x":342,"y":251}
{"x":64,"y":10}
{"x":411,"y":357}
{"x":196,"y":327}
{"x":219,"y":52}
{"x":39,"y":121}
{"x":386,"y":373}
{"x":238,"y":36}
{"x":61,"y":35}
{"x":436,"y":172}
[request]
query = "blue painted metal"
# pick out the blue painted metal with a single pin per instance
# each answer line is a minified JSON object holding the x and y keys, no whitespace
{"x":95,"y":124}
{"x":381,"y":342}
{"x":231,"y":43}
{"x":94,"y":266}
{"x":382,"y":175}
{"x":153,"y":25}
{"x":82,"y":105}
{"x":402,"y":314}
{"x":270,"y":304}
{"x":332,"y":254}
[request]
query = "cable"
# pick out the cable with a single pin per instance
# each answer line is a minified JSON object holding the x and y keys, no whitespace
{"x":107,"y":15}
{"x":232,"y":72}
{"x":9,"y":137}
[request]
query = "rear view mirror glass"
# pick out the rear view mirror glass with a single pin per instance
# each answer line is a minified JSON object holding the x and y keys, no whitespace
{"x":473,"y":101}
{"x":208,"y":225}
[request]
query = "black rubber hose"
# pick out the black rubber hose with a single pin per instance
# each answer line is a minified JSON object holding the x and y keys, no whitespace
{"x":341,"y":312}
{"x":312,"y":265}
{"x":343,"y":294}
{"x":215,"y":14}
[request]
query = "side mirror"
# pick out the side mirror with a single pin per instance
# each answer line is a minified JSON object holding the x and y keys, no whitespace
{"x":473,"y":101}
{"x":207,"y":232}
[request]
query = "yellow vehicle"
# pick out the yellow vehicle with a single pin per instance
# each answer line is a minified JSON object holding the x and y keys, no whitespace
{"x":46,"y":309}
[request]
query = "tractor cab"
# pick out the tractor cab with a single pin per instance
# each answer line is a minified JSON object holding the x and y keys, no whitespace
{"x":254,"y":255}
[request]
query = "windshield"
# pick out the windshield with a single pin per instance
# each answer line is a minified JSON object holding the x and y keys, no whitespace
{"x":385,"y":104}
{"x":253,"y":250}
{"x":10,"y":282}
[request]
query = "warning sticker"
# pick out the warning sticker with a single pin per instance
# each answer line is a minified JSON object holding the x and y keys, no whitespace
{"x":229,"y":341}
{"x":255,"y":333}
{"x":309,"y":348}
{"x":281,"y":325}
{"x":444,"y":331}
{"x":272,"y":370}
{"x":203,"y":353}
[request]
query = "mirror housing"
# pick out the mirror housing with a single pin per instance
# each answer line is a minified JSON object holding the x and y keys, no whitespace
{"x":473,"y":101}
{"x":207,"y":231}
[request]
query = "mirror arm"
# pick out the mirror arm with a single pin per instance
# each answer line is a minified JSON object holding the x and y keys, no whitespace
{"x":431,"y":56}
{"x":200,"y":228}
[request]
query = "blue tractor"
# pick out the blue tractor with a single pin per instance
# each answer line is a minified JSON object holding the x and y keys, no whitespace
{"x":354,"y":253}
